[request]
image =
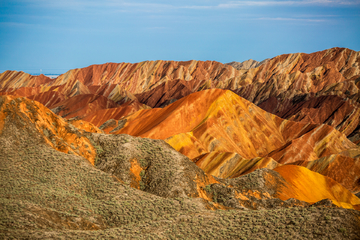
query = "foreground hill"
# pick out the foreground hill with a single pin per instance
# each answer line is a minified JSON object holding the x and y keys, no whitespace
{"x":143,"y":188}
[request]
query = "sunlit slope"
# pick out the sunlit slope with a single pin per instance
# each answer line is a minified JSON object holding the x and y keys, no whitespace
{"x":343,"y":168}
{"x":220,"y":121}
{"x":10,"y":80}
{"x":144,"y":76}
{"x":231,"y":165}
{"x":83,"y":125}
{"x":215,"y":120}
{"x":56,"y":131}
{"x":309,"y":186}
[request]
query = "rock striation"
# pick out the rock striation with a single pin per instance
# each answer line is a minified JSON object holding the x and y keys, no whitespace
{"x":248,"y":64}
{"x":228,"y":136}
{"x":275,"y":85}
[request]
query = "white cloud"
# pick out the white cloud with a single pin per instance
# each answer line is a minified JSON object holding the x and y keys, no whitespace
{"x":292,"y":19}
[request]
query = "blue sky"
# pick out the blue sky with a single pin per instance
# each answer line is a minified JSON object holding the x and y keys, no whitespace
{"x":56,"y":36}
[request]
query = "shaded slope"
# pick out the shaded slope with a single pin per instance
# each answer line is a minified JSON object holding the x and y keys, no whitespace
{"x":341,"y":113}
{"x":165,"y":93}
{"x":48,"y":99}
{"x":100,"y":116}
{"x":82,"y":105}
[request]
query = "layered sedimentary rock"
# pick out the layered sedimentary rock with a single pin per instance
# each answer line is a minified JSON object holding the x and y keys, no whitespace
{"x":309,"y":186}
{"x":231,"y":164}
{"x":141,"y":77}
{"x":99,"y":117}
{"x":48,"y":98}
{"x":228,"y":136}
{"x":342,"y":114}
{"x":118,"y":83}
{"x":82,"y":105}
{"x":242,"y":157}
{"x":275,"y":85}
{"x":336,"y":166}
{"x":10,"y":80}
{"x":290,"y":86}
{"x":248,"y":64}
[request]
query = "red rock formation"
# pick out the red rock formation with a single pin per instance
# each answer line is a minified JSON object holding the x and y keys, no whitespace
{"x":82,"y":105}
{"x":15,"y":80}
{"x":140,"y":77}
{"x":48,"y":99}
{"x":165,"y":93}
{"x":158,"y":83}
{"x":102,"y":115}
{"x":248,"y":64}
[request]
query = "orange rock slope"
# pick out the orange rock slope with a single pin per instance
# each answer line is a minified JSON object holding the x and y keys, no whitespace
{"x":312,"y":187}
{"x":55,"y":131}
{"x":228,"y":136}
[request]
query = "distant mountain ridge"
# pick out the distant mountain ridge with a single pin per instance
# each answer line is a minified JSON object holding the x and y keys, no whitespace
{"x":275,"y":85}
{"x":246,"y":65}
